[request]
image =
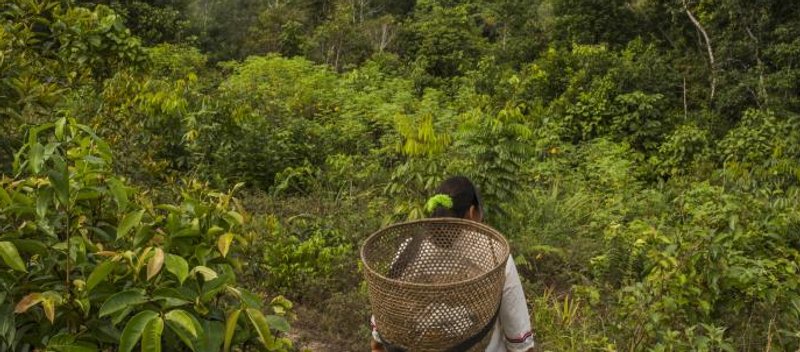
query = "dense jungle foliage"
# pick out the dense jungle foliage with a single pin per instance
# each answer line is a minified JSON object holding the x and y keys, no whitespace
{"x":198,"y":174}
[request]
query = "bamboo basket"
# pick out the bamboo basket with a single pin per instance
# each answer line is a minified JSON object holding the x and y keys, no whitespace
{"x":435,"y":283}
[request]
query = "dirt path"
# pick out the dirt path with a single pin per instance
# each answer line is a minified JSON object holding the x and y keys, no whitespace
{"x":303,"y":341}
{"x":310,"y":336}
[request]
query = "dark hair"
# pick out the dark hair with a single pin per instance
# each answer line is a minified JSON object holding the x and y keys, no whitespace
{"x":464,"y":195}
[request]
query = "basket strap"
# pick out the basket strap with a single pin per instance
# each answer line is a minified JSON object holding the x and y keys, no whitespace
{"x":406,"y":256}
{"x":477,"y":338}
{"x":389,"y":347}
{"x":392,"y":348}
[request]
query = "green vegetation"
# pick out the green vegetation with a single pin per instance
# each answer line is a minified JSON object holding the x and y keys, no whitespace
{"x":171,"y":170}
{"x":96,"y":252}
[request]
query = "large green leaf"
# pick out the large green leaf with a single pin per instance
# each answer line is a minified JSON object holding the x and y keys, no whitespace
{"x":11,"y":257}
{"x":211,"y":339}
{"x":171,"y":297}
{"x":133,"y":330}
{"x":118,"y":317}
{"x":60,"y":184}
{"x":249,"y":299}
{"x":177,"y":266}
{"x":233,"y":218}
{"x":230,"y":328}
{"x":261,"y":326}
{"x":151,"y":337}
{"x":187,"y":333}
{"x":67,"y":343}
{"x":99,"y":274}
{"x":35,"y":158}
{"x":186,"y":232}
{"x":30,"y":246}
{"x":128,"y":222}
{"x":181,"y":319}
{"x":278,"y":323}
{"x":122,"y":300}
{"x":119,"y":193}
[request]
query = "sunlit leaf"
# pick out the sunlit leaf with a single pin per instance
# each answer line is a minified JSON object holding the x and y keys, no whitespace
{"x":230,"y":328}
{"x":128,"y":222}
{"x":155,"y":263}
{"x":215,"y":230}
{"x":234,"y":218}
{"x":10,"y":255}
{"x":188,"y":339}
{"x":151,"y":336}
{"x":224,"y":243}
{"x":122,"y":300}
{"x":177,"y":266}
{"x":261,"y":326}
{"x":67,"y":343}
{"x":59,"y":131}
{"x":207,"y":273}
{"x":49,"y":309}
{"x":183,"y":320}
{"x":99,"y":274}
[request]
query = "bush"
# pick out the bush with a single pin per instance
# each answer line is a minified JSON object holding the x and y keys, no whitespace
{"x":95,"y":264}
{"x":302,"y":257}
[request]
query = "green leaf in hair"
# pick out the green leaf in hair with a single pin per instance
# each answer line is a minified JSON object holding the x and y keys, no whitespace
{"x":442,"y":200}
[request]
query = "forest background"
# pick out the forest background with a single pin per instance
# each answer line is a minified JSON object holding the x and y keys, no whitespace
{"x":199,"y":174}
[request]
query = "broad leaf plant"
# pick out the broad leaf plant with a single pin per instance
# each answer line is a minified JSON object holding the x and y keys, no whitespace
{"x":93,"y":263}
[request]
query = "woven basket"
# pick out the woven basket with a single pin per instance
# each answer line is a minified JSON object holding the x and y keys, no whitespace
{"x":434,"y":283}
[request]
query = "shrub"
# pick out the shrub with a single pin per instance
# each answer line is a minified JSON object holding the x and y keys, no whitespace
{"x":95,"y":264}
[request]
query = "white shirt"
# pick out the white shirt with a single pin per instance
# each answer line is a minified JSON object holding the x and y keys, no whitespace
{"x":512,"y":332}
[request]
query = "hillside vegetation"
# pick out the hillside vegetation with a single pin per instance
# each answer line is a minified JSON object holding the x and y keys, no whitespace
{"x":199,"y":174}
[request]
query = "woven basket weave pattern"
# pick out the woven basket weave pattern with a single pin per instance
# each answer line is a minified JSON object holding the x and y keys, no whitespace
{"x":436,"y":282}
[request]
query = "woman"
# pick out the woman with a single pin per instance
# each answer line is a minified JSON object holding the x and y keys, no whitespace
{"x":457,"y":197}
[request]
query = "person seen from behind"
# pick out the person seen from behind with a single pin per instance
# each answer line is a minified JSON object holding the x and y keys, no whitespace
{"x":457,"y":197}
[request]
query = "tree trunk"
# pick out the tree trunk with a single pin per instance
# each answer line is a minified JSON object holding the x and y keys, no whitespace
{"x":708,"y":47}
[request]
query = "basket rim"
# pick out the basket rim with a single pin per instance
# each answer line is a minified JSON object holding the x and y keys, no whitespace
{"x":488,"y":228}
